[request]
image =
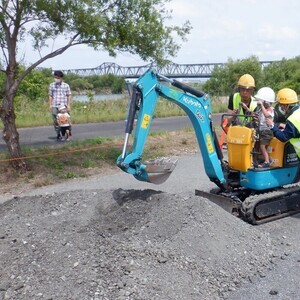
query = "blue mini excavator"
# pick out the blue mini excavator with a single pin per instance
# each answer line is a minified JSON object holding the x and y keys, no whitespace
{"x":255,"y":194}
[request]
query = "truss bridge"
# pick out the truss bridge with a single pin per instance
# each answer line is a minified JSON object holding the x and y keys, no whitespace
{"x":170,"y":70}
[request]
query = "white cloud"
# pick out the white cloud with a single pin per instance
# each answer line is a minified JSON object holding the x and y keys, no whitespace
{"x":221,"y":29}
{"x":273,"y":32}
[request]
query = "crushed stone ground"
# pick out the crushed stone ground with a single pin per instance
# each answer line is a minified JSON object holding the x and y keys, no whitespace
{"x":135,"y":242}
{"x":118,"y":244}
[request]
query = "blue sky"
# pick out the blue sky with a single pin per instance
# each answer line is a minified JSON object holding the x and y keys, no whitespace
{"x":222,"y":29}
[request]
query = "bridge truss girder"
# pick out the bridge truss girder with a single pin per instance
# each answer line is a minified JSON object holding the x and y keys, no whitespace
{"x":171,"y":70}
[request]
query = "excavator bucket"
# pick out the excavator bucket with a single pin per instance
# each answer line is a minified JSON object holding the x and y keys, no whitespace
{"x":158,"y":170}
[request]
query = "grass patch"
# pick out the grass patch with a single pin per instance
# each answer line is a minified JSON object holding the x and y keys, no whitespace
{"x":96,"y":111}
{"x":81,"y":159}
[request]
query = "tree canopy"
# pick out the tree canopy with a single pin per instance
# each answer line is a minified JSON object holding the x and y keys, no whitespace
{"x":134,"y":26}
{"x":277,"y":75}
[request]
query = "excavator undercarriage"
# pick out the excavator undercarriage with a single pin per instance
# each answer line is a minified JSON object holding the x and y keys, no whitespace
{"x":257,"y":208}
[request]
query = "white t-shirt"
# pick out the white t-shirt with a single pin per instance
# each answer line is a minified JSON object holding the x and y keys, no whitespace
{"x":63,"y":119}
{"x":262,"y":118}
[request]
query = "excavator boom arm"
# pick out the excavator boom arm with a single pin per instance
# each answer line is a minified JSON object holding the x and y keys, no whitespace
{"x":196,"y":105}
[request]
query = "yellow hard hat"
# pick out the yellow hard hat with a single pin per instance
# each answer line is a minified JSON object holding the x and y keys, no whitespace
{"x":246,"y":81}
{"x":287,"y":96}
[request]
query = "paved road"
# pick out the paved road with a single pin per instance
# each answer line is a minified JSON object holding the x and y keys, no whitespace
{"x":44,"y":136}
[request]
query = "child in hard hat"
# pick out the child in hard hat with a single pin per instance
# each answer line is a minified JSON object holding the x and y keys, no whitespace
{"x":265,"y":97}
{"x":64,"y":122}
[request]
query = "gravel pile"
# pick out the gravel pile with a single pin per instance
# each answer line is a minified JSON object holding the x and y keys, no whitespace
{"x":126,"y":244}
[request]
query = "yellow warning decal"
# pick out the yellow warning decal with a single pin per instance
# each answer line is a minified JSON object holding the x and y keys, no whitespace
{"x":209,"y":144}
{"x":146,"y":121}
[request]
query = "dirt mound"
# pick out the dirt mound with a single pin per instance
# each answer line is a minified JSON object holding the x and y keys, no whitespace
{"x":125,"y":244}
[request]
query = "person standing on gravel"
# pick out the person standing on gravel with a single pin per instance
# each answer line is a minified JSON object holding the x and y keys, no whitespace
{"x":59,"y":94}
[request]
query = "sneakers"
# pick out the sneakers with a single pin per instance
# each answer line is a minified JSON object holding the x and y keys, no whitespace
{"x":65,"y":139}
{"x":60,"y":138}
{"x":265,"y":164}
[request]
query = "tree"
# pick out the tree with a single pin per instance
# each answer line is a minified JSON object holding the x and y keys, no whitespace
{"x":282,"y":74}
{"x":224,"y":79}
{"x":35,"y":85}
{"x":134,"y":26}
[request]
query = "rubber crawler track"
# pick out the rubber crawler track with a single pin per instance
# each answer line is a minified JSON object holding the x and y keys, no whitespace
{"x":266,"y":207}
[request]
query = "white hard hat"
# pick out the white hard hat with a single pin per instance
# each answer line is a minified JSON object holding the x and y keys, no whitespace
{"x":265,"y":94}
{"x":61,"y":107}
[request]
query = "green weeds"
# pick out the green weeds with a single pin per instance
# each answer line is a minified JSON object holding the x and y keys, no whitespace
{"x":83,"y":158}
{"x":33,"y":114}
{"x":79,"y":159}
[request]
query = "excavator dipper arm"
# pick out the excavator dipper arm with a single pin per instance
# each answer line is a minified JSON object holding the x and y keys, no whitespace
{"x":146,"y":91}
